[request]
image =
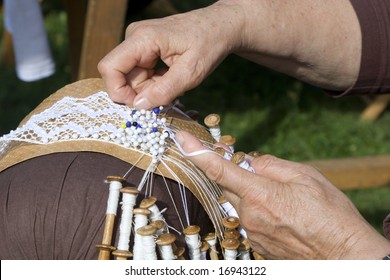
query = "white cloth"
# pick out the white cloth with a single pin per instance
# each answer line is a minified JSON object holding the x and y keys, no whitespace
{"x":24,"y":20}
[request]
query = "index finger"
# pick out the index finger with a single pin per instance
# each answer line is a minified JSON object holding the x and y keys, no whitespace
{"x":118,"y":63}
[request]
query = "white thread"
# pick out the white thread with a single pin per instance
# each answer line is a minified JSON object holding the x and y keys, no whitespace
{"x":245,"y":164}
{"x":128,"y":202}
{"x":230,"y":254}
{"x":156,"y":213}
{"x":203,"y":255}
{"x":229,"y":209}
{"x":140,"y":220}
{"x":196,"y":153}
{"x":215,"y":132}
{"x":193,"y":243}
{"x":166,"y":252}
{"x":244,"y":255}
{"x":149,"y":247}
{"x":113,"y":197}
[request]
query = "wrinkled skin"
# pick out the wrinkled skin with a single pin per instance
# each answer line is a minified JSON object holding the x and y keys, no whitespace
{"x":289,"y":210}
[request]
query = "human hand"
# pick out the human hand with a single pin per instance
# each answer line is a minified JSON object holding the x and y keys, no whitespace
{"x":289,"y":210}
{"x":190,"y":44}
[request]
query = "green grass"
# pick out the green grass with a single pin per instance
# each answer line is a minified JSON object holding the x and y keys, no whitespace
{"x":264,"y":110}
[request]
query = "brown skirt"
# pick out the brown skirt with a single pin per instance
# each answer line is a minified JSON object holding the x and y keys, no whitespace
{"x":53,"y":206}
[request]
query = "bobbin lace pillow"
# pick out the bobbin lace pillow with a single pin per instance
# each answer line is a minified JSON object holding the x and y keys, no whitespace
{"x":95,"y":117}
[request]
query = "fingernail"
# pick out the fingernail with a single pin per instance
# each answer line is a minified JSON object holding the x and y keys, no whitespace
{"x":142,"y":103}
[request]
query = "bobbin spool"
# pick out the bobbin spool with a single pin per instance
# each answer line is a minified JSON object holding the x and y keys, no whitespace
{"x":147,"y":239}
{"x":179,"y":253}
{"x":229,"y":141}
{"x":105,"y":248}
{"x":211,"y":239}
{"x":230,"y":247}
{"x":239,"y":159}
{"x":203,"y":250}
{"x":150,"y":203}
{"x":227,"y":206}
{"x":122,"y":255}
{"x":231,"y":234}
{"x":140,"y":220}
{"x":221,"y":151}
{"x":193,"y":241}
{"x":212,"y":122}
{"x":129,"y":195}
{"x":160,"y":226}
{"x":165,"y":243}
{"x":231,"y":222}
{"x":244,"y":249}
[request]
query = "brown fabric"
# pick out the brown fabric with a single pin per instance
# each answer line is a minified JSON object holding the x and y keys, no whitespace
{"x":386,"y":227}
{"x":53,"y":206}
{"x":374,"y":76}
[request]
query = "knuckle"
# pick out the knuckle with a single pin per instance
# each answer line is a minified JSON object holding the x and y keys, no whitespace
{"x":214,"y":171}
{"x":264,"y":161}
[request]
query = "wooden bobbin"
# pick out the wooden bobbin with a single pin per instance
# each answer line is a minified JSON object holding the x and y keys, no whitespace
{"x":238,"y":158}
{"x":146,"y":230}
{"x":212,"y":120}
{"x":212,"y":239}
{"x":203,"y":250}
{"x":191,"y":230}
{"x":231,"y":234}
{"x":219,"y":150}
{"x":244,"y":249}
{"x":104,"y":251}
{"x":230,"y":245}
{"x":129,"y":190}
{"x":179,"y":253}
{"x":105,"y":247}
{"x":192,"y":235}
{"x":141,"y":211}
{"x":159,"y":225}
{"x":122,"y":255}
{"x":166,"y":240}
{"x":244,"y":245}
{"x":116,"y":178}
{"x":231,"y":222}
{"x":228,"y":140}
{"x":222,"y":199}
{"x":148,"y":202}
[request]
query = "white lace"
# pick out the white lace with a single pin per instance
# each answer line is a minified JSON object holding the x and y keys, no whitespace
{"x":95,"y":117}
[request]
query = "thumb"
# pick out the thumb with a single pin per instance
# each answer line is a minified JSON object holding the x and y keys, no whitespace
{"x":227,"y":174}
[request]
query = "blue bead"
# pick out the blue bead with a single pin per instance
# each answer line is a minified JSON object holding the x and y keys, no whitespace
{"x":133,"y":112}
{"x":156,"y":110}
{"x":138,"y":126}
{"x":128,"y":124}
{"x":155,"y":129}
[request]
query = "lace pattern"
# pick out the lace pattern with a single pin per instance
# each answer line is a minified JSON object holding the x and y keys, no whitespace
{"x":95,"y":117}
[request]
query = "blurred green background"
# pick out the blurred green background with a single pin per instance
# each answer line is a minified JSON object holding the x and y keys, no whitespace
{"x":264,"y":110}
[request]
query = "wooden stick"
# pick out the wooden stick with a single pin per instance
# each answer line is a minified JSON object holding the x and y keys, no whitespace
{"x":105,"y":247}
